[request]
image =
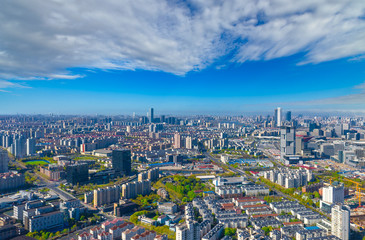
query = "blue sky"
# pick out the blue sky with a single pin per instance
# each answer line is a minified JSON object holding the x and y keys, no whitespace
{"x":200,"y":57}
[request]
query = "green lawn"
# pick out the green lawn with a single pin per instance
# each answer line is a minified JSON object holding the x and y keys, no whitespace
{"x":36,"y":162}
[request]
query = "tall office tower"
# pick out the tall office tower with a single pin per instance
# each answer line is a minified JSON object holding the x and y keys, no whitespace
{"x":151,"y":116}
{"x":334,"y":193}
{"x":77,"y":173}
{"x":288,"y":116}
{"x":278,"y":117}
{"x":30,"y":146}
{"x":275,"y":117}
{"x":339,"y":130}
{"x":121,"y":161}
{"x":177,"y":140}
{"x":189,"y":143}
{"x":341,"y":221}
{"x":188,"y":231}
{"x":287,"y":141}
{"x":4,"y":161}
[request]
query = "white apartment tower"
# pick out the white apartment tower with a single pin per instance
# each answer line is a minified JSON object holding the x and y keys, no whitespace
{"x":30,"y":146}
{"x":177,"y":140}
{"x":334,"y":193}
{"x":188,"y":231}
{"x":341,"y":221}
{"x":189,"y":143}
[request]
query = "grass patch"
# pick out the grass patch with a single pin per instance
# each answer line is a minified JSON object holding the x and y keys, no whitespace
{"x":36,"y":162}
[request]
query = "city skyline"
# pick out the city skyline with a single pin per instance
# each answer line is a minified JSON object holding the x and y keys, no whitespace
{"x":191,"y":59}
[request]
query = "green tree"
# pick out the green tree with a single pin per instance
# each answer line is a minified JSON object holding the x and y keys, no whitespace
{"x":267,"y":229}
{"x":230,"y":232}
{"x":316,"y":194}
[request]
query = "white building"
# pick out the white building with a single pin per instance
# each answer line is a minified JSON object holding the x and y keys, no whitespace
{"x":46,"y":221}
{"x":334,"y":193}
{"x":277,"y":116}
{"x":188,"y":231}
{"x":341,"y":221}
{"x":30,"y":144}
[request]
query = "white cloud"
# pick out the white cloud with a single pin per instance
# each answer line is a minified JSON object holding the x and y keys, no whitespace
{"x":43,"y":39}
{"x":7,"y":84}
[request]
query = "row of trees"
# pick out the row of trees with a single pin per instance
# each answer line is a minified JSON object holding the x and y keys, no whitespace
{"x":185,"y":187}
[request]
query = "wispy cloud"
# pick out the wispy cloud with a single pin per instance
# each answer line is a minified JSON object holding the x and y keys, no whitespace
{"x":10,"y":84}
{"x":42,"y":39}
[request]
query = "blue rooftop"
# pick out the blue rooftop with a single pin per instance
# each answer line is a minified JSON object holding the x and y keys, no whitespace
{"x":312,"y":228}
{"x":161,"y":164}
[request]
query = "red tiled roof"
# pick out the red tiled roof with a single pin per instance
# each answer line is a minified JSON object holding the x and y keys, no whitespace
{"x":292,"y":223}
{"x":253,"y":206}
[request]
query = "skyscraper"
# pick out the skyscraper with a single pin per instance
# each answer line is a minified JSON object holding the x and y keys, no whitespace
{"x":288,"y":116}
{"x":4,"y":161}
{"x":341,"y":221}
{"x":121,"y":161}
{"x":287,"y":141}
{"x":278,"y":116}
{"x":339,"y":130}
{"x":151,"y":116}
{"x":177,"y":140}
{"x":189,"y":143}
{"x":30,"y":146}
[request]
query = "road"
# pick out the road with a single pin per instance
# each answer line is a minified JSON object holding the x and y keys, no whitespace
{"x":255,"y":179}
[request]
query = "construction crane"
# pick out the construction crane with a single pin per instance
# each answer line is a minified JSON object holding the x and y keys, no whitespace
{"x":358,"y":189}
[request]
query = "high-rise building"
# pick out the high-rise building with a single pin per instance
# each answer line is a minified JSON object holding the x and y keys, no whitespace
{"x":177,"y":140}
{"x":151,"y":115}
{"x":107,"y":195}
{"x":189,"y":143}
{"x":277,"y":116}
{"x":334,"y":193}
{"x":188,"y":231}
{"x":151,"y":174}
{"x":4,"y":161}
{"x":30,"y":146}
{"x":121,"y":161}
{"x":288,"y":116}
{"x":7,"y":141}
{"x":133,"y":189}
{"x":339,"y":130}
{"x":77,"y":173}
{"x":18,"y":147}
{"x":287,"y":141}
{"x":341,"y":221}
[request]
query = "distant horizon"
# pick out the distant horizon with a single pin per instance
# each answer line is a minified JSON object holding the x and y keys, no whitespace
{"x":157,"y":114}
{"x":182,"y":57}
